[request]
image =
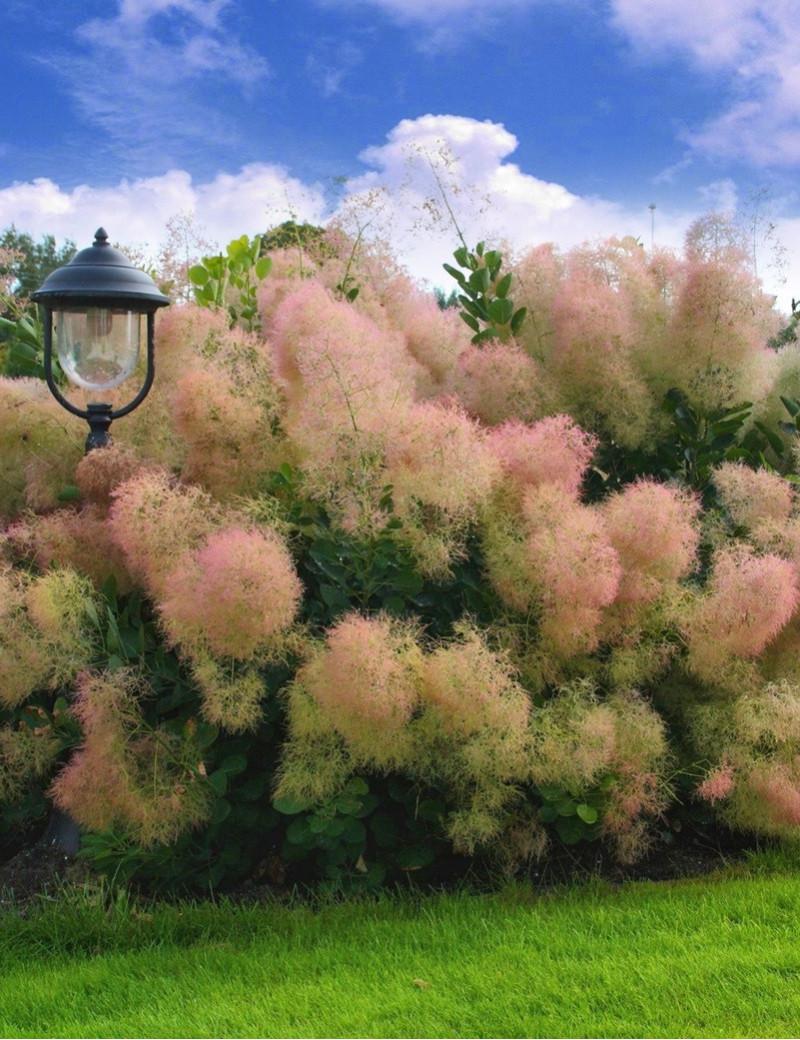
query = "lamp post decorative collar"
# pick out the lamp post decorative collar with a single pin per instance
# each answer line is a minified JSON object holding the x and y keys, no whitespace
{"x":96,"y":302}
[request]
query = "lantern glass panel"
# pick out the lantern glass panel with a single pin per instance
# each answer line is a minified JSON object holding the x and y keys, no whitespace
{"x":98,"y":348}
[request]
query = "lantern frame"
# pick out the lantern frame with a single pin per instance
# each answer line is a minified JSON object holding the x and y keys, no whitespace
{"x":99,"y":277}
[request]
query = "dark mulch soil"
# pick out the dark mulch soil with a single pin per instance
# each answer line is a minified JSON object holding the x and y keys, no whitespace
{"x":41,"y":871}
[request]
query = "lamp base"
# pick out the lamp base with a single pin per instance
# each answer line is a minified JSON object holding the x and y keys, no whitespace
{"x":99,"y":417}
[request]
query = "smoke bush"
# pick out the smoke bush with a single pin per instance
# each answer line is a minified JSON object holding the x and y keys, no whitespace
{"x":753,"y":496}
{"x":235,"y":594}
{"x":127,"y":774}
{"x":155,"y":521}
{"x":229,"y":439}
{"x":366,"y":680}
{"x":551,"y":451}
{"x":40,"y":445}
{"x":422,"y":561}
{"x":572,"y":561}
{"x":499,"y":381}
{"x":748,"y":600}
{"x":653,"y":529}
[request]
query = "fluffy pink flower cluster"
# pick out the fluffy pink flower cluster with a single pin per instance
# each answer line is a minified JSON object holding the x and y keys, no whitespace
{"x":753,"y":496}
{"x":748,"y":600}
{"x":474,"y":690}
{"x":655,"y":532}
{"x":229,"y":445}
{"x":125,"y":773}
{"x":551,"y":451}
{"x":440,"y":458}
{"x":718,"y":784}
{"x":366,"y":678}
{"x":235,"y":593}
{"x":571,"y":560}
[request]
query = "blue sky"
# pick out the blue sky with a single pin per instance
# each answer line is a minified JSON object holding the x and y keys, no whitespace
{"x":560,"y":119}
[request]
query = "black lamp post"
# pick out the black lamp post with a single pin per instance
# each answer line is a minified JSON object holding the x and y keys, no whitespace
{"x":96,"y":302}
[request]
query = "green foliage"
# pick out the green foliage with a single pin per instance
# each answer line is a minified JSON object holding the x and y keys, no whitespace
{"x":230,"y":281}
{"x":342,"y":571}
{"x":291,"y":235}
{"x":22,"y":349}
{"x":488,"y":310}
{"x":367,"y":834}
{"x":33,"y":261}
{"x":573,"y":815}
{"x":696,"y":443}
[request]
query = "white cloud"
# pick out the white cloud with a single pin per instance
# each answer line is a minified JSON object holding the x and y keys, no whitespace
{"x":137,"y":211}
{"x":433,"y":10}
{"x":330,"y":61}
{"x":440,"y":161}
{"x":399,"y":196}
{"x":136,"y":75}
{"x":754,"y":45}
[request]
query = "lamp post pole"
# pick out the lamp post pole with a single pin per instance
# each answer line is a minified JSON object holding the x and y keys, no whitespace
{"x":96,"y":303}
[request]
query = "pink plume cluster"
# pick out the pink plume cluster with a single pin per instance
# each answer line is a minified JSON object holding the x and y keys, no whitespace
{"x":718,"y":784}
{"x":474,"y":690}
{"x":654,"y":529}
{"x":439,"y":456}
{"x":552,"y":451}
{"x":126,"y":774}
{"x":572,"y":561}
{"x":334,"y":363}
{"x":366,"y":679}
{"x":154,"y":521}
{"x":235,"y":593}
{"x":748,"y":600}
{"x":753,"y":496}
{"x":776,"y":787}
{"x":230,"y":446}
{"x":497,"y":382}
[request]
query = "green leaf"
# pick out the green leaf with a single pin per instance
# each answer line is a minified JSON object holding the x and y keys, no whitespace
{"x":263,"y":267}
{"x":518,"y":319}
{"x":500,"y":311}
{"x":792,"y":405}
{"x":198,"y":274}
{"x":415,"y":857}
{"x":459,"y":277}
{"x":298,"y":832}
{"x":587,"y":813}
{"x":469,"y":320}
{"x":220,"y":810}
{"x":773,"y":439}
{"x":233,"y":764}
{"x":69,"y":493}
{"x":571,"y":830}
{"x":205,"y":734}
{"x":290,"y":805}
{"x":502,"y":288}
{"x":479,"y":280}
{"x":218,"y":782}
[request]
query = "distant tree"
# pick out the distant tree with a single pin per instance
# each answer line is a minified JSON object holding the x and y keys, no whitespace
{"x":310,"y":238}
{"x":444,"y":300}
{"x":24,"y":264}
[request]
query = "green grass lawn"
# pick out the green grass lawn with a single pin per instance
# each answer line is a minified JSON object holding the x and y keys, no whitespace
{"x":712,"y":958}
